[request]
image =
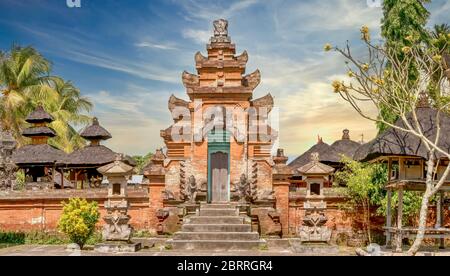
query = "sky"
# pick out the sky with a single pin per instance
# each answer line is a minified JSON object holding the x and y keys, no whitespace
{"x":127,"y":56}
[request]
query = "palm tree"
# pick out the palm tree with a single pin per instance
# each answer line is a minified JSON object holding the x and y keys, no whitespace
{"x":440,"y":37}
{"x":68,"y":109}
{"x":24,"y":73}
{"x":438,"y":30}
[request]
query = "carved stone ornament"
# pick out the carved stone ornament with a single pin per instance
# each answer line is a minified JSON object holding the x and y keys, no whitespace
{"x":221,"y":27}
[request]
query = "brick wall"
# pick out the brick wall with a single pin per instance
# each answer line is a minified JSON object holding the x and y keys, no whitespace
{"x":26,"y":211}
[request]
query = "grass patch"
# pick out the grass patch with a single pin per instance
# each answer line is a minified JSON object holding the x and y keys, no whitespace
{"x":143,"y":234}
{"x":42,"y":238}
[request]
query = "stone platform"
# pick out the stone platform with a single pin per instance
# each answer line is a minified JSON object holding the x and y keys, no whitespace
{"x":117,"y":247}
{"x":217,"y":227}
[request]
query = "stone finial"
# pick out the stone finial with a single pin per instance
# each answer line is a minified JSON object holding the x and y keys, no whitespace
{"x":221,"y":27}
{"x":95,"y":121}
{"x":280,"y":158}
{"x":423,"y":100}
{"x":346,"y":134}
{"x":315,"y":157}
{"x":220,"y":32}
{"x":158,"y":157}
{"x":319,"y":139}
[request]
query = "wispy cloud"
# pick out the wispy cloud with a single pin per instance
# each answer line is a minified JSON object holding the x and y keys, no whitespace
{"x":209,"y":10}
{"x":198,"y":36}
{"x":155,"y":46}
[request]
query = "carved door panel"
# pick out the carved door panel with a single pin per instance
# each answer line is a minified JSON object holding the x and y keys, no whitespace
{"x":219,"y":177}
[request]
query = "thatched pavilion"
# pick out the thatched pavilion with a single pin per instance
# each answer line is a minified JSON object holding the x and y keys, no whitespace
{"x":329,"y":155}
{"x":39,"y":160}
{"x":83,"y":163}
{"x":406,"y":157}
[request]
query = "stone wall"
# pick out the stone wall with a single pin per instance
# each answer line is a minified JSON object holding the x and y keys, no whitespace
{"x":40,"y":210}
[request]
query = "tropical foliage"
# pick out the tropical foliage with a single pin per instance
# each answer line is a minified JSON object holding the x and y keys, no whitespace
{"x":25,"y":82}
{"x":141,"y":162}
{"x":402,"y":25}
{"x":365,"y":188}
{"x":78,"y":220}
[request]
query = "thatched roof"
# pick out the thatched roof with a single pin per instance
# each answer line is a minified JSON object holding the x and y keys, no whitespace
{"x":346,"y":146}
{"x":314,"y":167}
{"x":39,"y":131}
{"x":326,"y":153}
{"x":397,"y":142}
{"x":39,"y":115}
{"x":93,"y":155}
{"x":38,"y":155}
{"x":95,"y":132}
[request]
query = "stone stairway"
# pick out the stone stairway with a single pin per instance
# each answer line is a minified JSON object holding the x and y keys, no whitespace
{"x":216,"y":227}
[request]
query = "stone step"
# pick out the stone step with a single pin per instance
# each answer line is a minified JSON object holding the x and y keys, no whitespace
{"x":239,"y":236}
{"x":214,"y":220}
{"x":216,"y":245}
{"x":216,"y":228}
{"x":217,"y":206}
{"x":218,"y":212}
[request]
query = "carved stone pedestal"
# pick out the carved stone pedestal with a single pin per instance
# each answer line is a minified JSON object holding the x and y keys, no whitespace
{"x":314,"y":229}
{"x":117,"y":231}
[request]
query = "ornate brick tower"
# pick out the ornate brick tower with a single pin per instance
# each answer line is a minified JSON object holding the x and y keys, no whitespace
{"x":219,"y":144}
{"x":219,"y":147}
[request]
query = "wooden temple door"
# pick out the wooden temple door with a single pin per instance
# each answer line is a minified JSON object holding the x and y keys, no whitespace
{"x":219,"y":177}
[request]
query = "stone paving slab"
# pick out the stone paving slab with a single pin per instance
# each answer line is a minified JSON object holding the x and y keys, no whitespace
{"x":58,"y":250}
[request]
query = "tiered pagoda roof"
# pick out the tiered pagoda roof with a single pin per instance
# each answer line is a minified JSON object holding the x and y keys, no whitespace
{"x":38,"y":152}
{"x":221,"y":78}
{"x":94,"y":154}
{"x":221,"y":73}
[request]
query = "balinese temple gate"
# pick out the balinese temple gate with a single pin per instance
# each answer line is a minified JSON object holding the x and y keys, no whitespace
{"x":219,"y":147}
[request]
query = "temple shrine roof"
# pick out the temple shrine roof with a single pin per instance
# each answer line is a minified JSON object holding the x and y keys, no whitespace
{"x":94,"y":155}
{"x":42,"y":155}
{"x":95,"y":132}
{"x":394,"y":142}
{"x":39,"y":115}
{"x":346,"y":146}
{"x":314,"y":167}
{"x":326,"y":154}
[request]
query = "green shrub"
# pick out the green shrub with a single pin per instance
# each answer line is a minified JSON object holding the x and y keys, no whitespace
{"x":78,"y":220}
{"x":20,"y":181}
{"x":12,"y":237}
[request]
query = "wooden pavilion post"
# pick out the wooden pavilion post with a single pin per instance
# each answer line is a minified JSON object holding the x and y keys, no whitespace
{"x":399,"y":243}
{"x":389,"y":206}
{"x":389,"y":218}
{"x":76,"y":179}
{"x":440,"y":217}
{"x":53,"y":175}
{"x":62,"y":179}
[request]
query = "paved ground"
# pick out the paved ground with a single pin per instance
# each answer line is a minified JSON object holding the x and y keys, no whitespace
{"x":52,"y":250}
{"x":59,"y":250}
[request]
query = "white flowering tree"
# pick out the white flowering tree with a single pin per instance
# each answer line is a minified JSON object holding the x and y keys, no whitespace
{"x":383,"y":79}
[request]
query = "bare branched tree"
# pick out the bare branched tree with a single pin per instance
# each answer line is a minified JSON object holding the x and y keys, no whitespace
{"x":384,"y":80}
